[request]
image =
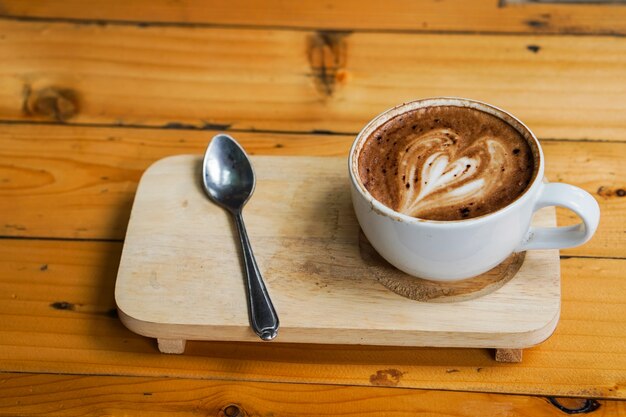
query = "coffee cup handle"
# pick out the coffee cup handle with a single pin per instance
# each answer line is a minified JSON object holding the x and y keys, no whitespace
{"x":570,"y":197}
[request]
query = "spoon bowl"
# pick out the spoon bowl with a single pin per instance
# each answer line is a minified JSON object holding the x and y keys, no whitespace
{"x":227,"y":173}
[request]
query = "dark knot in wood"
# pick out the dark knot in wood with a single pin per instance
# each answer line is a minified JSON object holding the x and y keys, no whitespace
{"x":232,"y":410}
{"x":386,"y":377}
{"x":608,"y":192}
{"x":575,"y":405}
{"x":55,"y":103}
{"x":327,"y":52}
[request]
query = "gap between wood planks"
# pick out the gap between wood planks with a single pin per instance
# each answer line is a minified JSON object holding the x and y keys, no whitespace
{"x":147,"y":24}
{"x":217,"y":128}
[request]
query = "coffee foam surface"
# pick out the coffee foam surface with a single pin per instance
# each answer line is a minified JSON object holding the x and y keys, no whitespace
{"x":446,"y":163}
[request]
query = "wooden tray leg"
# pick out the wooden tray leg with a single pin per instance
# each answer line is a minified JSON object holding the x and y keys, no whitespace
{"x":171,"y":345}
{"x":509,"y":355}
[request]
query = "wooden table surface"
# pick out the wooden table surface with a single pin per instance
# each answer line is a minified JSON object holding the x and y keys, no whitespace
{"x":93,"y":92}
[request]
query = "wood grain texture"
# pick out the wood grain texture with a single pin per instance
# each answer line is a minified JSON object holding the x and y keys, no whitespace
{"x":180,"y":275}
{"x":57,"y":316}
{"x":569,"y":88}
{"x":79,"y":396}
{"x":78,"y":182}
{"x":429,"y":15}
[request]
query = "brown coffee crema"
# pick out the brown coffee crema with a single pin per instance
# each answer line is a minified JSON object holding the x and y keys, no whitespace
{"x":446,"y":163}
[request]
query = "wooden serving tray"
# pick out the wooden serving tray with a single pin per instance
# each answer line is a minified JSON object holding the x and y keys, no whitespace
{"x":180,"y":276}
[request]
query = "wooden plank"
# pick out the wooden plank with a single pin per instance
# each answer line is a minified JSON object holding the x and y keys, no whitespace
{"x":56,"y":317}
{"x":576,"y":164}
{"x":567,"y":87}
{"x":72,"y":395}
{"x":430,"y":15}
{"x":78,"y":182}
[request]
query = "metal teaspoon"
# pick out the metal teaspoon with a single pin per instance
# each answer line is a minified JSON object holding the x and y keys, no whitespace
{"x":229,"y":181}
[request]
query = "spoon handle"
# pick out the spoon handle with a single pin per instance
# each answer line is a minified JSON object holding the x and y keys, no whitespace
{"x":263,"y":317}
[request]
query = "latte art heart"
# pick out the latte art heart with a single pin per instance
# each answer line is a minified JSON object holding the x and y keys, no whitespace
{"x":438,"y":174}
{"x":446,"y":163}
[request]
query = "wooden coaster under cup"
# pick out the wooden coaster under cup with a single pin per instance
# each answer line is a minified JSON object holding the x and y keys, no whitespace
{"x":180,"y":276}
{"x":438,"y":292}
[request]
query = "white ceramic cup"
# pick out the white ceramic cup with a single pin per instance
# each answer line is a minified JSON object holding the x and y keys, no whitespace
{"x":455,"y":250}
